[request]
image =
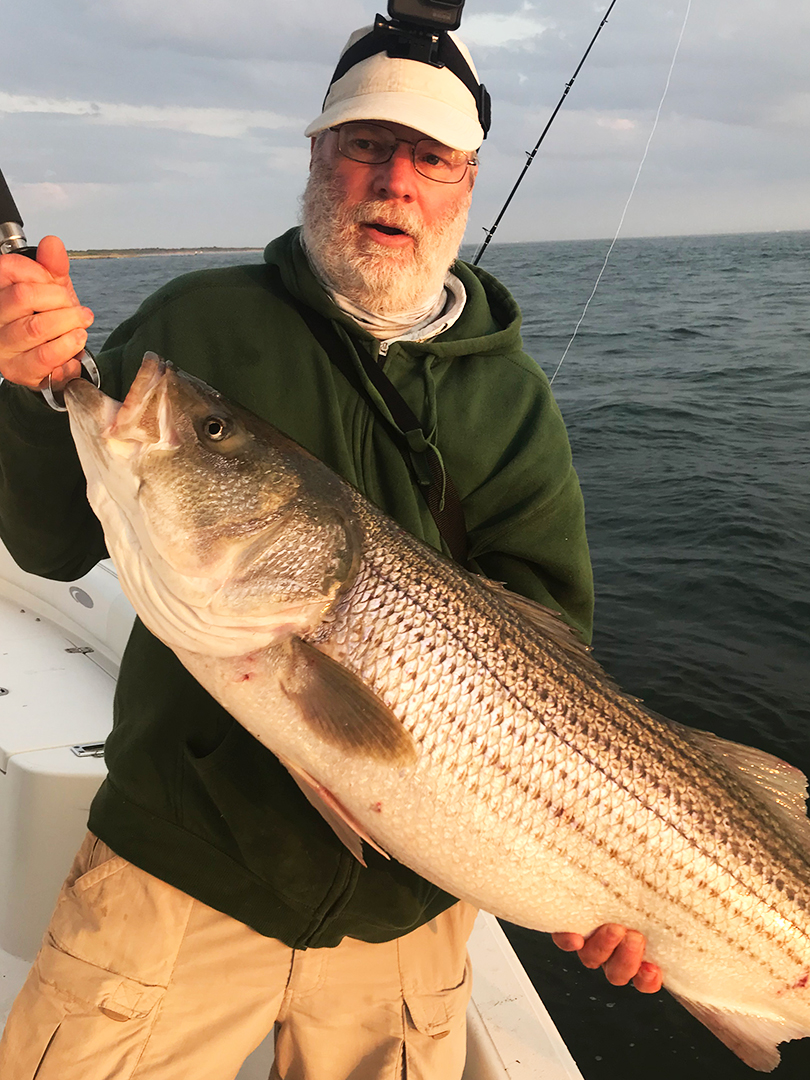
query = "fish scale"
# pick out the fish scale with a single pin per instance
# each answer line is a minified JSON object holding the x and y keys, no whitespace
{"x":459,"y":728}
{"x":590,"y":807}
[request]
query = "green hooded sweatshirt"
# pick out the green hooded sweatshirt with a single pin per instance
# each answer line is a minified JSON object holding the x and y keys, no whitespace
{"x":190,"y":796}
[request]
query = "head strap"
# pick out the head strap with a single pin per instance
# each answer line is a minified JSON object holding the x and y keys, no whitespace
{"x":425,"y":46}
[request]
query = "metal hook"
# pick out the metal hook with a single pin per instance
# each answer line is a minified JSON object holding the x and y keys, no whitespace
{"x":89,"y":364}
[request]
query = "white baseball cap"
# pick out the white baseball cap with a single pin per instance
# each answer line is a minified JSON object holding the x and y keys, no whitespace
{"x":430,"y":99}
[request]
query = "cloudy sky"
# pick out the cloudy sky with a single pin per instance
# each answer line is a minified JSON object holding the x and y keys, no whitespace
{"x":129,"y":123}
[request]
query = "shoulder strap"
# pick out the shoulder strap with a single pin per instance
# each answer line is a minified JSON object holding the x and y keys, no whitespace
{"x":440,"y":494}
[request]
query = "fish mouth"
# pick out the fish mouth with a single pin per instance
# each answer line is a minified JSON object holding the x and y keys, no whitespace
{"x":115,"y":419}
{"x":144,"y":415}
{"x":142,"y":422}
{"x":88,"y":407}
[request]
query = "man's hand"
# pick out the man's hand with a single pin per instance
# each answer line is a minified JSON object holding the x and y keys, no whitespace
{"x":619,"y":951}
{"x":42,"y":324}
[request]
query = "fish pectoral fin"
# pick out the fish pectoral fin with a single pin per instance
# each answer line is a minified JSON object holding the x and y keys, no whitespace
{"x":345,"y":825}
{"x":754,"y":1039}
{"x":341,"y":709}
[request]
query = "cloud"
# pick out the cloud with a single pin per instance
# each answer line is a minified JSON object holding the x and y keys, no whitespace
{"x":793,"y":112}
{"x":489,"y":30}
{"x":617,"y":123}
{"x":214,"y":122}
{"x":243,"y":29}
{"x":190,"y":114}
{"x":48,"y":196}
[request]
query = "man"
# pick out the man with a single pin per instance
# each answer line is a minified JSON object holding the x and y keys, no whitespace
{"x":209,"y":900}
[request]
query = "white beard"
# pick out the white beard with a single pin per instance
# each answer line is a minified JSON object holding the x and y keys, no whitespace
{"x":388,"y":281}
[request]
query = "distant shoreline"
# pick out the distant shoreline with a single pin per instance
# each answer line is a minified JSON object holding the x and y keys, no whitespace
{"x":135,"y":253}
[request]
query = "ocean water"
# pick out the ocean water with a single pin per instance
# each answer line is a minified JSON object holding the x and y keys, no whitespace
{"x":687,"y":395}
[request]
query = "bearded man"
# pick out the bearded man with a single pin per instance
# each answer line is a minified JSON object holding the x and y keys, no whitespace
{"x":209,"y":900}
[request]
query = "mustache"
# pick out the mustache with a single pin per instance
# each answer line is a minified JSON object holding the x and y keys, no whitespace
{"x":381,"y":212}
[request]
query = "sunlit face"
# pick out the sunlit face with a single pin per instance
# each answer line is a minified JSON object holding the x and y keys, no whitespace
{"x":382,"y":234}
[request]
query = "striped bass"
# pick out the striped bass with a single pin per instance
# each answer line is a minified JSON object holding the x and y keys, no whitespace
{"x":454,"y":726}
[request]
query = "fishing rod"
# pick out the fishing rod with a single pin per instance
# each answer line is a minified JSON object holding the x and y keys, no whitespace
{"x":12,"y":236}
{"x":531,"y":156}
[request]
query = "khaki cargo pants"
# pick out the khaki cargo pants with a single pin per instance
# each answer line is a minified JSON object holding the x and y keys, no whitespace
{"x":136,"y":979}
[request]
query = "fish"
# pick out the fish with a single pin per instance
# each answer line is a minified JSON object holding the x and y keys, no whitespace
{"x":444,"y":721}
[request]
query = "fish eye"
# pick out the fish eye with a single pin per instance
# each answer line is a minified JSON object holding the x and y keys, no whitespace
{"x":215,"y":428}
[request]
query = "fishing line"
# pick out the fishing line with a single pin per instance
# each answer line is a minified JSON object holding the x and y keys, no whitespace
{"x":632,"y":192}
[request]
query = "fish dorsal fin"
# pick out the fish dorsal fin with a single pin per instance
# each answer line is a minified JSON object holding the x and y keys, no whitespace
{"x":345,"y":825}
{"x":779,"y":785}
{"x":341,"y":709}
{"x":754,"y":1039}
{"x":551,"y":624}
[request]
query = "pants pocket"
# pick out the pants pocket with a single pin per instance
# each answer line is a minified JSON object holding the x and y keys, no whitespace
{"x":115,"y":996}
{"x":24,"y":1047}
{"x":88,"y":1006}
{"x":73,"y":1021}
{"x":436,"y":984}
{"x":434,"y":1041}
{"x":118,"y":919}
{"x":435,"y":970}
{"x":436,"y":1013}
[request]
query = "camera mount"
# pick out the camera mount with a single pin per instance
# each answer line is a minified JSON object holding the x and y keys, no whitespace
{"x":435,"y":14}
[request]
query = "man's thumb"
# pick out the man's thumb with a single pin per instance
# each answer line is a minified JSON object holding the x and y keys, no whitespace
{"x":52,"y":255}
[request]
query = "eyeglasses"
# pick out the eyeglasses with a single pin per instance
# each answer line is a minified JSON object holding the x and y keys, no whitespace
{"x":373,"y":144}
